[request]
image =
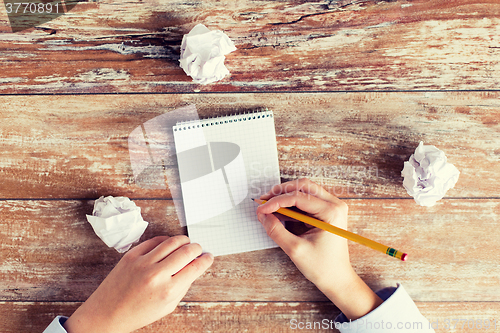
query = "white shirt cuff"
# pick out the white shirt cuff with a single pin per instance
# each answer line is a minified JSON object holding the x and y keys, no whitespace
{"x":398,"y":313}
{"x":56,"y":326}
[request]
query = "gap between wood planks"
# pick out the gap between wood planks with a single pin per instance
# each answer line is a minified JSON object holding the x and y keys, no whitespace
{"x":257,"y":92}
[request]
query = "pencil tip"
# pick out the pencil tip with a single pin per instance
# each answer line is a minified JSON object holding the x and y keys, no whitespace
{"x":252,"y":199}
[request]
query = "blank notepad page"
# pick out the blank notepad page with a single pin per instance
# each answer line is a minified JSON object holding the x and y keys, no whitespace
{"x":223,"y":163}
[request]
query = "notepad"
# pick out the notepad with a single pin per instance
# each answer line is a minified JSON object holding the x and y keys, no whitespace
{"x":223,"y":163}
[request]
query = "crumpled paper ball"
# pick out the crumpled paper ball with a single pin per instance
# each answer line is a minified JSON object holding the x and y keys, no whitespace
{"x":203,"y":54}
{"x":427,"y":175}
{"x":117,"y":221}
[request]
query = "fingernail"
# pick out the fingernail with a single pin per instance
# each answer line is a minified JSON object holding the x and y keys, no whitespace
{"x":210,"y":255}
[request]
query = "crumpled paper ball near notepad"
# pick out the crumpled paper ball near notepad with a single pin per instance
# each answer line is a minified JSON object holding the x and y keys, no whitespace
{"x":117,"y":221}
{"x":203,"y":54}
{"x":428,"y":175}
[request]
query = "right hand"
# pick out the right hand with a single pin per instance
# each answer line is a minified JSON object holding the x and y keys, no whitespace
{"x":321,"y":256}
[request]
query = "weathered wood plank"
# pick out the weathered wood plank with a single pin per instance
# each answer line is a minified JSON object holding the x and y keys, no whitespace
{"x":252,"y":317}
{"x":353,"y":143}
{"x":51,"y":253}
{"x":340,"y":45}
{"x":188,"y":317}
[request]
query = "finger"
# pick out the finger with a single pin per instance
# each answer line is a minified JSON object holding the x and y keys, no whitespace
{"x":304,"y":185}
{"x":189,"y":273}
{"x":167,"y":247}
{"x":307,"y":203}
{"x":148,"y":245}
{"x":321,"y":209}
{"x":278,"y":233}
{"x":180,"y":258}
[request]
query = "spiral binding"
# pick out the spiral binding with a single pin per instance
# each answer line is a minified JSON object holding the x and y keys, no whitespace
{"x":220,"y":120}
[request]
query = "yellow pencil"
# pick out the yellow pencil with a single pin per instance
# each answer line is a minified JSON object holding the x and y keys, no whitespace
{"x":340,"y":232}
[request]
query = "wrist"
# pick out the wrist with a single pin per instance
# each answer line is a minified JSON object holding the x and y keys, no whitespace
{"x":84,"y":320}
{"x":334,"y":285}
{"x":352,"y":296}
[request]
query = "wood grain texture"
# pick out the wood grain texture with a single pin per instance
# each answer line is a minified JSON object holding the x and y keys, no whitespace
{"x":133,"y":46}
{"x":52,"y":254}
{"x":333,"y":72}
{"x":352,"y":143}
{"x":266,"y":317}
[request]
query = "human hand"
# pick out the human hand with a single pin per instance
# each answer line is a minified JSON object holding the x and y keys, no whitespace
{"x":321,"y":256}
{"x":147,"y":284}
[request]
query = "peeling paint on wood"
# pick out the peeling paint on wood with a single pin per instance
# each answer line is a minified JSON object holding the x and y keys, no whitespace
{"x":225,"y":317}
{"x":285,"y":45}
{"x":51,"y":253}
{"x":59,"y":152}
{"x":354,"y":143}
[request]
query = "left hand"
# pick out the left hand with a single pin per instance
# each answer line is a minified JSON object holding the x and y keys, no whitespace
{"x":147,"y":284}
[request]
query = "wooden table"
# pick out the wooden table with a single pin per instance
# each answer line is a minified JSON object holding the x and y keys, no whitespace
{"x":355,"y":85}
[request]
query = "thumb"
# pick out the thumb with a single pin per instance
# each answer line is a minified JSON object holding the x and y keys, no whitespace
{"x":277,"y":231}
